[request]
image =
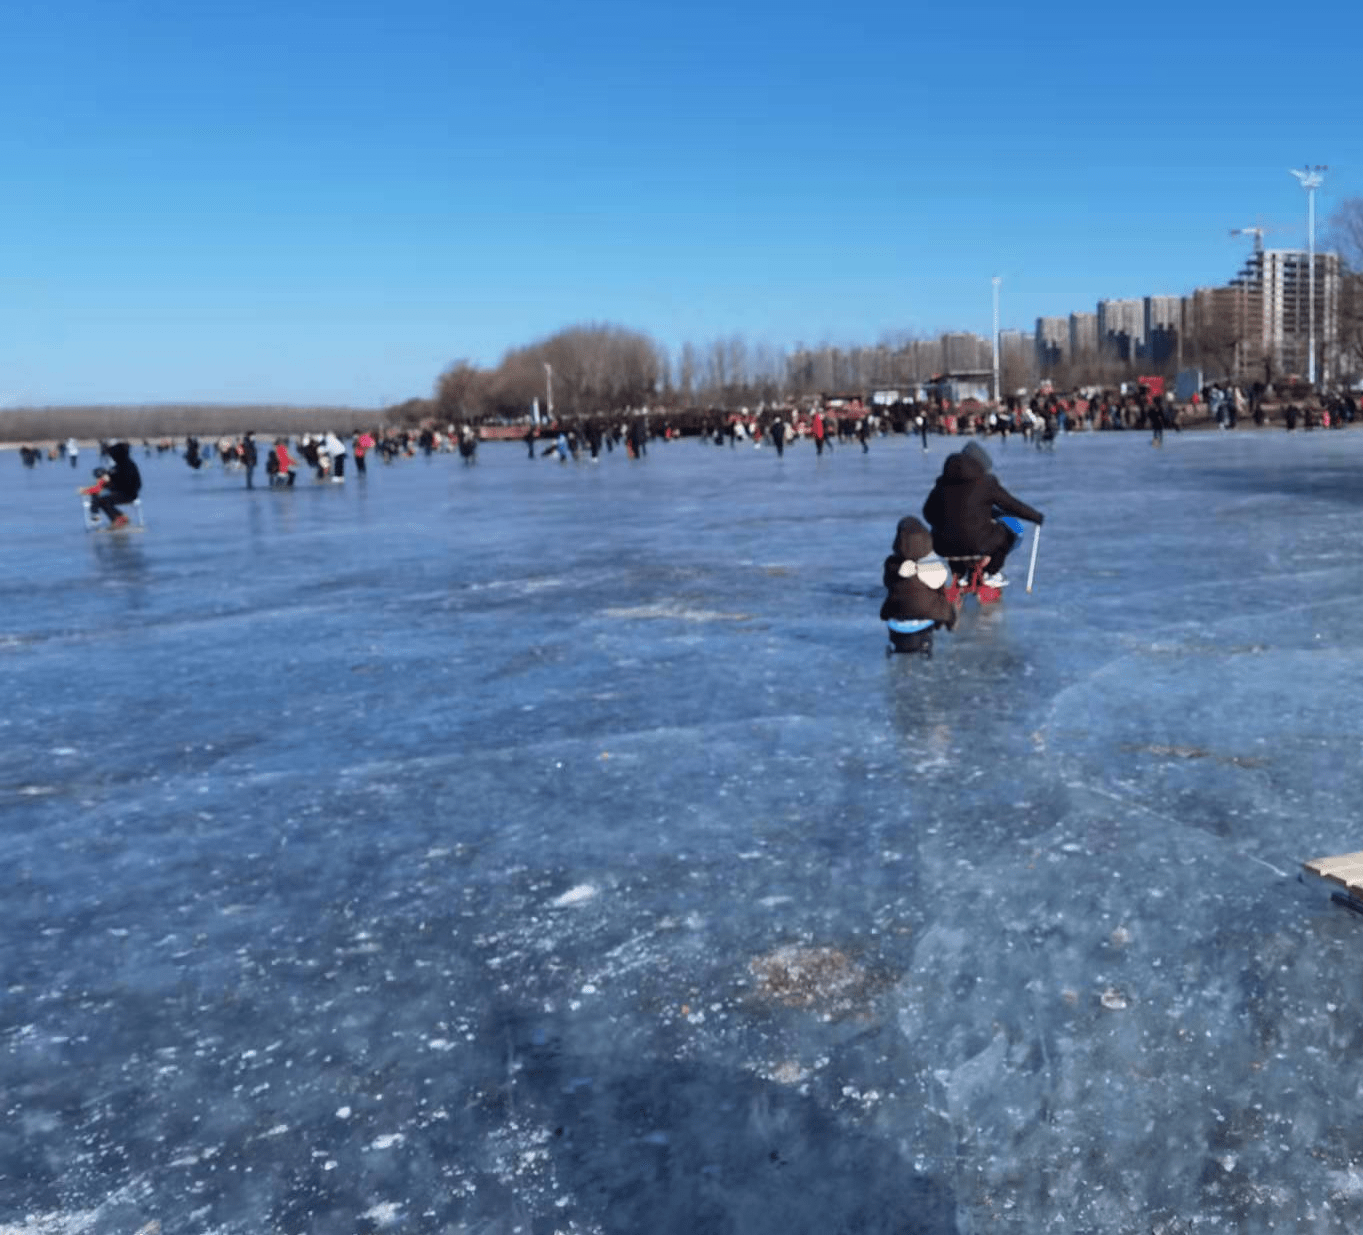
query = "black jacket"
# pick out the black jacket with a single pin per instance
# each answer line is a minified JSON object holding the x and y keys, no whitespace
{"x":961,"y":506}
{"x":124,"y":478}
{"x":907,"y":596}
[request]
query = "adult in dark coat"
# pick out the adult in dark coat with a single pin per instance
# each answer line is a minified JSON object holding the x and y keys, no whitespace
{"x":249,"y":458}
{"x":961,"y":509}
{"x":125,"y":483}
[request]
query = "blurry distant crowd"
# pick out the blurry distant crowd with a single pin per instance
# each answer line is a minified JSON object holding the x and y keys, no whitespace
{"x":847,"y":423}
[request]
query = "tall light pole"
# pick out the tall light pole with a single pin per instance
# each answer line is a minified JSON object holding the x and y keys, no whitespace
{"x":1311,"y":179}
{"x":549,"y":390}
{"x":996,"y":282}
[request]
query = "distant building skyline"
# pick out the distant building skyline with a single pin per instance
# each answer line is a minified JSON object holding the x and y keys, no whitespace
{"x":1257,"y":325}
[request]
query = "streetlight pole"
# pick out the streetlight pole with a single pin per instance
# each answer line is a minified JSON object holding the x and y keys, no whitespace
{"x":549,"y":390}
{"x":996,"y":281}
{"x":1311,"y":179}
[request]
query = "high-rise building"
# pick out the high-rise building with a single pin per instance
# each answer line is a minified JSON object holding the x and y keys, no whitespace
{"x":926,"y":359}
{"x":966,"y":353}
{"x":1223,"y":328}
{"x":1017,"y":361}
{"x":1121,"y":327}
{"x":1052,"y":342}
{"x":1083,"y":335}
{"x":1163,"y":327}
{"x":1282,"y":278}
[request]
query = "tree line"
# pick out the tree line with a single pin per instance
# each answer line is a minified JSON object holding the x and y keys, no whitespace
{"x":153,"y":421}
{"x":600,"y":368}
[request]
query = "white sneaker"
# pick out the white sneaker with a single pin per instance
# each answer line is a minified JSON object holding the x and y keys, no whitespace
{"x":998,"y":580}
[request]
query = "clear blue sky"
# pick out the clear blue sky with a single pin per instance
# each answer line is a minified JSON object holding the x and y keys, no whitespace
{"x":226,"y":200}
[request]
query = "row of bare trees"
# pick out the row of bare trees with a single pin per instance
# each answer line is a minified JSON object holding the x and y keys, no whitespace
{"x":149,"y":423}
{"x":603,"y":368}
{"x":1344,"y":234}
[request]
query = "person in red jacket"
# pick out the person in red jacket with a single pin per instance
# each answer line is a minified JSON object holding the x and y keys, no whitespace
{"x":283,"y":462}
{"x":364,"y":443}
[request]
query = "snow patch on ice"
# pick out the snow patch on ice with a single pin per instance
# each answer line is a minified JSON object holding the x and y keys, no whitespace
{"x":582,"y":893}
{"x":676,"y":612}
{"x":385,"y":1213}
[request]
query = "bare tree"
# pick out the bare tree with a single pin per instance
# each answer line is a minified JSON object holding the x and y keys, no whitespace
{"x":688,"y":372}
{"x":461,"y":392}
{"x":1344,"y":233}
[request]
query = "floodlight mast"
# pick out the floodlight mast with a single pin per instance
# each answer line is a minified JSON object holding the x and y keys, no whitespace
{"x":1311,"y":180}
{"x":996,"y":282}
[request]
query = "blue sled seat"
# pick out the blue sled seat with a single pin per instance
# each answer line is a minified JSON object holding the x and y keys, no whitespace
{"x":911,"y":636}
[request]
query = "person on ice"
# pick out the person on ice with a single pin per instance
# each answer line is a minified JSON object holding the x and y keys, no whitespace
{"x":121,"y":488}
{"x":960,"y":509}
{"x":914,"y":577}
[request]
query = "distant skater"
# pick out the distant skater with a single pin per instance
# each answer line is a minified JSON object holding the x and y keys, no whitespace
{"x":335,"y":450}
{"x":249,"y":458}
{"x":363,"y":444}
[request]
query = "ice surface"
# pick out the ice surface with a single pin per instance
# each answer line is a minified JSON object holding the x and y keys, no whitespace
{"x":554,"y":848}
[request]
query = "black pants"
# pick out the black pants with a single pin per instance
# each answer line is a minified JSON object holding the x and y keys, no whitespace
{"x":1000,"y":545}
{"x":108,"y":502}
{"x":996,"y":545}
{"x":359,"y":464}
{"x":250,"y":475}
{"x":920,"y":641}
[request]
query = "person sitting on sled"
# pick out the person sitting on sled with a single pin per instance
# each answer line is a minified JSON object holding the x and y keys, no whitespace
{"x":960,"y":510}
{"x":280,"y":465}
{"x":120,"y":488}
{"x":914,"y":577}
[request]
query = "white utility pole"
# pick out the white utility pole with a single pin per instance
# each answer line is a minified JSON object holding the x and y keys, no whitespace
{"x":549,"y":391}
{"x":996,"y":281}
{"x":1311,"y":180}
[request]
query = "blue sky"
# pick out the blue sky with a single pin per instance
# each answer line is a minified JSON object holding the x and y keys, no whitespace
{"x":331,"y":202}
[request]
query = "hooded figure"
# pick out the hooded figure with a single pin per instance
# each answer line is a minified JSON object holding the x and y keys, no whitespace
{"x":961,"y":508}
{"x":122,"y":486}
{"x":914,"y":577}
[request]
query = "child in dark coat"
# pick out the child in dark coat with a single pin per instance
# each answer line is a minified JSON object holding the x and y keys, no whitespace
{"x":914,"y":577}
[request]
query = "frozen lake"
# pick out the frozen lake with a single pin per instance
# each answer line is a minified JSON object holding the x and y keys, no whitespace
{"x":552,"y":848}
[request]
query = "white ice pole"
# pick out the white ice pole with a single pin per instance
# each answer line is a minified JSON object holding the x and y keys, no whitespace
{"x":1031,"y":570}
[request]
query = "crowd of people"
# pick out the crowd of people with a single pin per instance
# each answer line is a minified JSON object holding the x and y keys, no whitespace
{"x":843,"y":424}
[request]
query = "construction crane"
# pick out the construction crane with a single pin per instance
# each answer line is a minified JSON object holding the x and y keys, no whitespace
{"x":1256,"y":232}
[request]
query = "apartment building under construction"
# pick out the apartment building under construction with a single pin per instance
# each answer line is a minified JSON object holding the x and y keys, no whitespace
{"x":1270,"y":301}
